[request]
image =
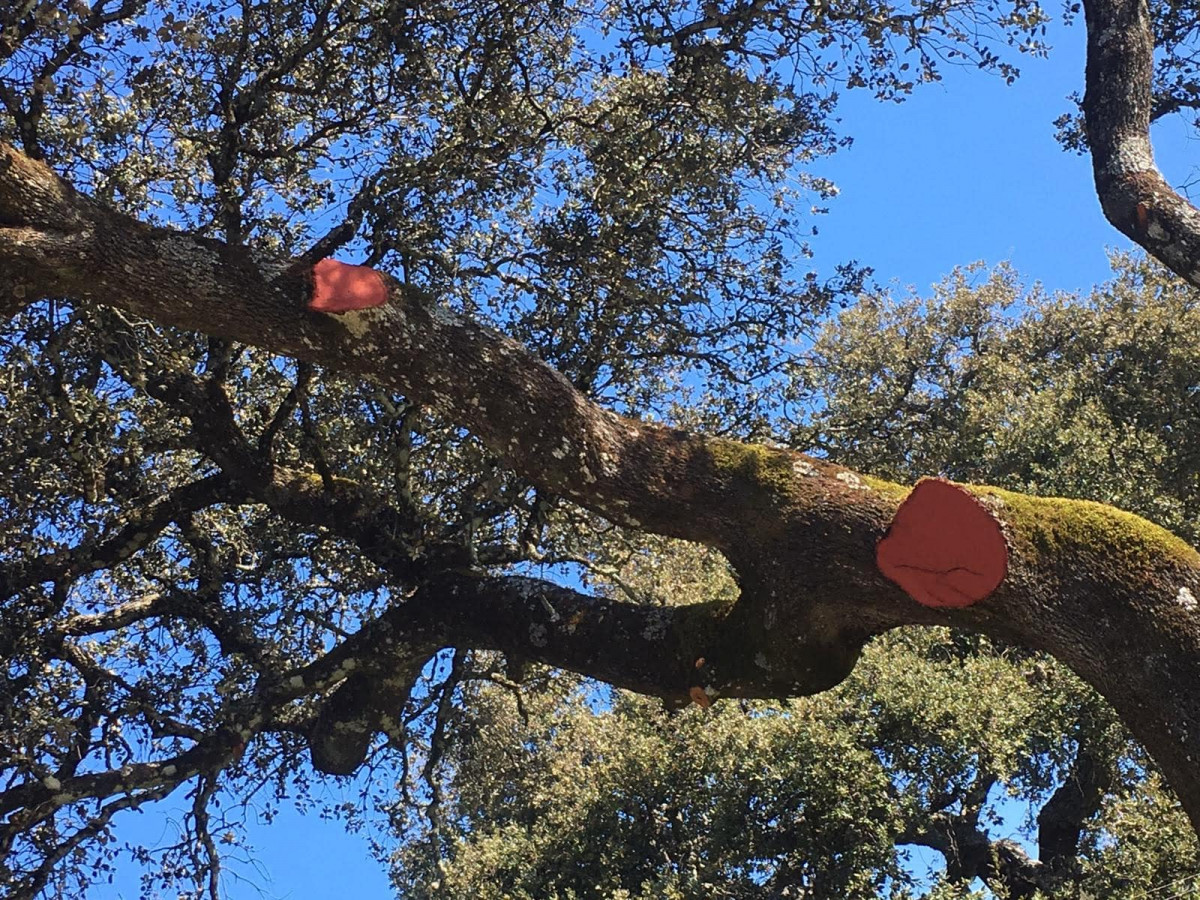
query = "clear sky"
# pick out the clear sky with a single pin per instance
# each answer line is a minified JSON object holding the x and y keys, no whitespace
{"x":965,"y":170}
{"x":968,"y":170}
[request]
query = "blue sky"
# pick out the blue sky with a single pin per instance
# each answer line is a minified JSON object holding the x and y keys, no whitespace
{"x":968,"y":170}
{"x":965,"y":170}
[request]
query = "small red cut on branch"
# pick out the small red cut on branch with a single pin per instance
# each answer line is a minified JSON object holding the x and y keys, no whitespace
{"x":943,"y":547}
{"x":339,"y":287}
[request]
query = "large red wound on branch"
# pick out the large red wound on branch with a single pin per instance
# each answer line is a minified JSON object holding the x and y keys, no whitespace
{"x":943,"y":547}
{"x":339,"y":287}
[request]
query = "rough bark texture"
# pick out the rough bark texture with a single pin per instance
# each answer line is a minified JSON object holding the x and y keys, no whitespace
{"x":1117,"y":108}
{"x":1107,"y":593}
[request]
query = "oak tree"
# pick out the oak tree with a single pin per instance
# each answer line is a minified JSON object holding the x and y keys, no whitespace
{"x":237,"y":527}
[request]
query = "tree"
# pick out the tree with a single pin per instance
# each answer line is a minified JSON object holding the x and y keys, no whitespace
{"x":244,"y":555}
{"x":935,"y":735}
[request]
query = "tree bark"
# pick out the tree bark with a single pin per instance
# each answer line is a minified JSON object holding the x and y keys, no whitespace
{"x":1117,"y":109}
{"x":1109,"y":594}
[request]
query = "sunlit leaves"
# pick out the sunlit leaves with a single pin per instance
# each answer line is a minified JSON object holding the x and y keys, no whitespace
{"x":1081,"y":397}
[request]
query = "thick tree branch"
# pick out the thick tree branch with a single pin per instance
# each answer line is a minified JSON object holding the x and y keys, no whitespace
{"x":1002,"y":864}
{"x":1061,"y":820}
{"x":640,"y":474}
{"x":649,"y":649}
{"x":1118,"y":108}
{"x":1109,"y":594}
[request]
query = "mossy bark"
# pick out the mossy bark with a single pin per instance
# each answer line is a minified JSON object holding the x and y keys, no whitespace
{"x":1107,"y":593}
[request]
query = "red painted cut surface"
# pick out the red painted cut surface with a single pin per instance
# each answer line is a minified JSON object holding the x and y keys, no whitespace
{"x":943,"y":547}
{"x":339,"y":287}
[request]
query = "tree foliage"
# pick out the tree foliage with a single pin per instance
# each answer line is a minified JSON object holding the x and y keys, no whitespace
{"x":227,"y":572}
{"x":937,"y":738}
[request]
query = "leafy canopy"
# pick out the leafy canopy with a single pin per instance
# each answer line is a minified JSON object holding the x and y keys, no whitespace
{"x":623,"y":187}
{"x":936,"y":738}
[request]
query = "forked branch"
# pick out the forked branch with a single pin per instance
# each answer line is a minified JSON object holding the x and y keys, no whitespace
{"x":1109,"y":594}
